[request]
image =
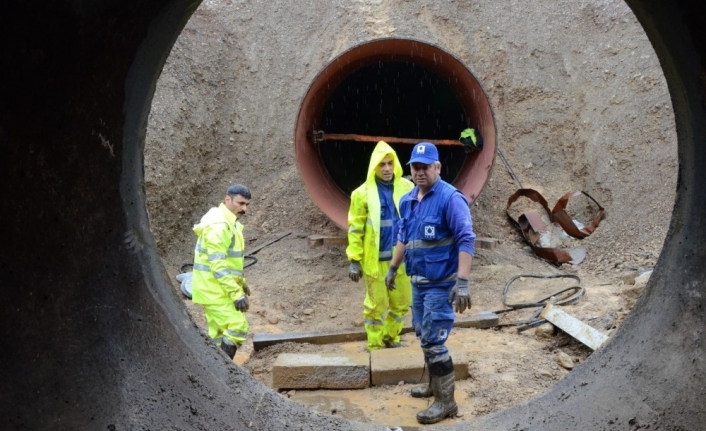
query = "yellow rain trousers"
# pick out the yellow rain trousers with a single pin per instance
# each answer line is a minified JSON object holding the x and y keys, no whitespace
{"x":364,"y":246}
{"x":226,"y":324}
{"x":378,"y":300}
{"x":218,"y":277}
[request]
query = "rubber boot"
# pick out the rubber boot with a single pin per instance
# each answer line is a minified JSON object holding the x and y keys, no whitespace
{"x":423,"y":391}
{"x":389,"y":344}
{"x":229,"y":349}
{"x":444,"y":404}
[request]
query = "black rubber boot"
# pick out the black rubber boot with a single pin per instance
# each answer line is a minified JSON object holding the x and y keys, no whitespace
{"x":444,"y":403}
{"x":229,"y":349}
{"x":423,"y":391}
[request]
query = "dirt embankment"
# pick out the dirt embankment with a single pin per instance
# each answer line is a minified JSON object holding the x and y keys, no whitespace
{"x":579,"y":101}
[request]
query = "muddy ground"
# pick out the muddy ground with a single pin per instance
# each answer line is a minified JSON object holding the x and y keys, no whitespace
{"x":579,"y":101}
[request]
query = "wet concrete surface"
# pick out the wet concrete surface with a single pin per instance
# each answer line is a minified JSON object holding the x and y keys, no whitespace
{"x":93,"y":336}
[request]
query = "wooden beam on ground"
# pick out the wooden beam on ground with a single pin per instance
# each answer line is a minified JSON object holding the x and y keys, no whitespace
{"x":485,"y":319}
{"x":319,"y":240}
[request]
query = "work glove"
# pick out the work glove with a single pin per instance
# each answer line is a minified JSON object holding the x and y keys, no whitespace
{"x":460,"y":296}
{"x":246,"y":288}
{"x":390,"y":278}
{"x":354,"y":272}
{"x":242,"y":304}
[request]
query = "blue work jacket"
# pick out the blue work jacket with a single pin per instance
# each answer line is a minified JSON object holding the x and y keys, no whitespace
{"x":431,"y":251}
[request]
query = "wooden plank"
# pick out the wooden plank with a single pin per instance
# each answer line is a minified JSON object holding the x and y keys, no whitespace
{"x":260,"y":341}
{"x":485,"y":319}
{"x":586,"y":334}
{"x":315,"y":241}
{"x":319,"y":240}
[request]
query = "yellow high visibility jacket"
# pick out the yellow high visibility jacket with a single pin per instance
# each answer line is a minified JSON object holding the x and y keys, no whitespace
{"x":218,"y":258}
{"x":364,"y":212}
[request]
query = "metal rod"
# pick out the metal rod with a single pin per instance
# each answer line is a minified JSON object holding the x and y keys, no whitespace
{"x":321,"y":136}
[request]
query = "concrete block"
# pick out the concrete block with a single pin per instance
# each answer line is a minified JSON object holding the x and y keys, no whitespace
{"x":484,"y":319}
{"x":487,"y":243}
{"x":325,"y":370}
{"x":391,"y":366}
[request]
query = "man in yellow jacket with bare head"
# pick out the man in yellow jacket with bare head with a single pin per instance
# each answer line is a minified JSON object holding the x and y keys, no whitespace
{"x":372,"y":217}
{"x":218,"y":281}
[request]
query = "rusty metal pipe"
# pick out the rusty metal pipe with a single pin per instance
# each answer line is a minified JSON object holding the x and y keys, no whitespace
{"x":475,"y":170}
{"x":319,"y":137}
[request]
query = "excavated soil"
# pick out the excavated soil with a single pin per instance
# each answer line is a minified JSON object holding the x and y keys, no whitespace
{"x":579,"y":101}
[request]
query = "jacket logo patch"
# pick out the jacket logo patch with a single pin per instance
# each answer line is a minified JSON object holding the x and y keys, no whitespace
{"x":429,"y":231}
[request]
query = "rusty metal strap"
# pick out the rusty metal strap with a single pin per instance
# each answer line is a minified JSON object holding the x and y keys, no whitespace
{"x":558,"y":215}
{"x":552,"y":254}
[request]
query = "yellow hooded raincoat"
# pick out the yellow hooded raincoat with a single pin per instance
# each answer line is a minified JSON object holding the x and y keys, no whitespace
{"x":218,"y":277}
{"x":364,"y":247}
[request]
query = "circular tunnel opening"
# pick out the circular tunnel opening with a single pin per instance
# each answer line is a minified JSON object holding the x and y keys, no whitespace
{"x":400,"y":91}
{"x":390,"y":98}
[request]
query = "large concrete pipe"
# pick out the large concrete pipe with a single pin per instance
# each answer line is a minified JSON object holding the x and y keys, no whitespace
{"x":388,"y":87}
{"x":93,"y":336}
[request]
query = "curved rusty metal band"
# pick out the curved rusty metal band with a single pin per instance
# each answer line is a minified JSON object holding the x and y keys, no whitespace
{"x":558,"y":215}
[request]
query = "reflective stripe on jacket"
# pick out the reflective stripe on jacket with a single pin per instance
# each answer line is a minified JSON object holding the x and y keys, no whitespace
{"x":218,"y":258}
{"x":364,"y":212}
{"x":431,"y":252}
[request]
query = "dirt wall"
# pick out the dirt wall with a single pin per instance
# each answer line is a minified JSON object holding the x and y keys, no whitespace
{"x":579,"y":100}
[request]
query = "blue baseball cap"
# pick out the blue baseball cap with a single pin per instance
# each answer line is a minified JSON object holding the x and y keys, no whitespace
{"x":424,"y":152}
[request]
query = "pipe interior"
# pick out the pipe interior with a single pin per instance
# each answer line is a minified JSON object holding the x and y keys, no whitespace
{"x":390,"y":98}
{"x":390,"y":87}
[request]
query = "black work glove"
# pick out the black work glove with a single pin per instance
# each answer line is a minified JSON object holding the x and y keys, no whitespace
{"x":242,"y":304}
{"x":354,"y":272}
{"x":390,"y":278}
{"x":460,"y":295}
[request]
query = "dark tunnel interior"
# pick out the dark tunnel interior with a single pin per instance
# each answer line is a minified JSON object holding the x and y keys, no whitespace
{"x":92,"y":335}
{"x":390,"y":98}
{"x":381,"y":75}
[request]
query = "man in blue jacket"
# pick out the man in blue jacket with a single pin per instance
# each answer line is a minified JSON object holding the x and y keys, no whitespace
{"x":436,"y":240}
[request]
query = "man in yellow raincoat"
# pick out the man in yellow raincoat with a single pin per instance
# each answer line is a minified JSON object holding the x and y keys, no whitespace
{"x":218,"y":281}
{"x":372,"y":217}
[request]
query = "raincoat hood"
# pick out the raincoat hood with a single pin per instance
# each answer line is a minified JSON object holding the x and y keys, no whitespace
{"x":381,"y":150}
{"x":215,"y":215}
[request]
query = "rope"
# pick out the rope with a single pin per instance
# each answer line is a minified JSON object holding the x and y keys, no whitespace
{"x":509,"y":169}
